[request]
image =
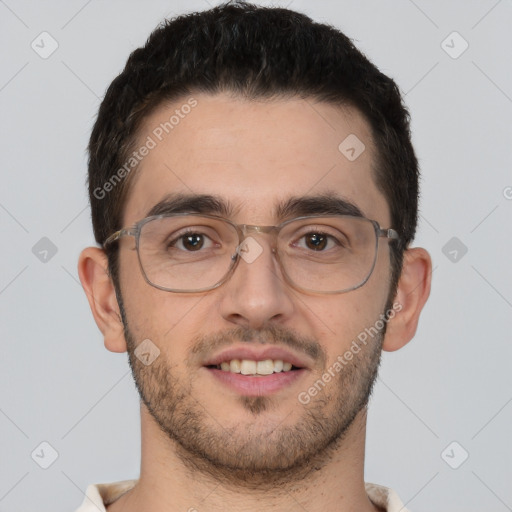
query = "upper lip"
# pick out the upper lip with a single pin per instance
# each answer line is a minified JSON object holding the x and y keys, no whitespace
{"x":254,"y":354}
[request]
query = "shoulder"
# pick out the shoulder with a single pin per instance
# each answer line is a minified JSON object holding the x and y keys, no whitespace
{"x":99,"y":495}
{"x":384,"y":497}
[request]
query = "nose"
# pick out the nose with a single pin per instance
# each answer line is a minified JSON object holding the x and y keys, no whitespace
{"x":256,"y":293}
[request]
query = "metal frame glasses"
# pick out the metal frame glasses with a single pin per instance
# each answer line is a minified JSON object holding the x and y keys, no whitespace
{"x":344,"y":250}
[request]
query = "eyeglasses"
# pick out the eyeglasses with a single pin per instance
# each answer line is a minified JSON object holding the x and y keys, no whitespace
{"x":191,"y":252}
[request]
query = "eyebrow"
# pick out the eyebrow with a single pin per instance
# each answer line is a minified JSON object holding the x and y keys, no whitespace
{"x":322,"y":204}
{"x":207,"y":204}
{"x":197,"y":203}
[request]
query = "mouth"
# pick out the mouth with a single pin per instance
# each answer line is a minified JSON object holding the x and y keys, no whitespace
{"x":256,"y":373}
{"x":255,"y":368}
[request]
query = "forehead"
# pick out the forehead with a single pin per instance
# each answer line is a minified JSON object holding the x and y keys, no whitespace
{"x":254,"y":155}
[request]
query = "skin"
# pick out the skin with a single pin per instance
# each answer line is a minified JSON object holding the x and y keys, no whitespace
{"x":254,"y":155}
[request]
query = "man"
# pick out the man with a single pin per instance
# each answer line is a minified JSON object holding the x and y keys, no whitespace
{"x":254,"y":192}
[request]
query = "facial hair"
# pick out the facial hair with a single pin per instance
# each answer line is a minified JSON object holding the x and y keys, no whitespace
{"x":260,"y":455}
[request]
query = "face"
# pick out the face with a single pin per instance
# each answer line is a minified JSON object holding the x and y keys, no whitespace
{"x":254,"y":157}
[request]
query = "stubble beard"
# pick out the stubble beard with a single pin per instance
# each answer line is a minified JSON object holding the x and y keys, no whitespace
{"x":269,"y":456}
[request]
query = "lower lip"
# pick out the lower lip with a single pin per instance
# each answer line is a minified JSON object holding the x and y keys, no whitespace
{"x":250,"y":385}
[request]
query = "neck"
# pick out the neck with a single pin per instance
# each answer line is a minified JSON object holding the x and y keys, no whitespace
{"x":169,"y":484}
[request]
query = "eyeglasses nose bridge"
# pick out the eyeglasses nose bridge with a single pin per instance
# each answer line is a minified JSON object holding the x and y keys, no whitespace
{"x":249,"y":228}
{"x":246,"y":229}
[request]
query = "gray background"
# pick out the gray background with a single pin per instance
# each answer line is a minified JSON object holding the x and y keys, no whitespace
{"x":452,"y":383}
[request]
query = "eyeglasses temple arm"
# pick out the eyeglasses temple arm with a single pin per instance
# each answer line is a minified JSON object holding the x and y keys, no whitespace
{"x":388,"y":233}
{"x":118,"y":234}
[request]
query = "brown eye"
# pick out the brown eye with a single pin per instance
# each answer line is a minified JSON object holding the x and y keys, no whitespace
{"x":192,"y":241}
{"x":316,"y":241}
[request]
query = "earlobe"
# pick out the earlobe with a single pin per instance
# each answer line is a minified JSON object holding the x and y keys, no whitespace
{"x":100,"y":292}
{"x":412,"y":294}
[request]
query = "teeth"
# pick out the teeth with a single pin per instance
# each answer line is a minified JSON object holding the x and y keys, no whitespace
{"x":249,"y":367}
{"x":278,"y":365}
{"x":265,"y":367}
{"x":233,"y":366}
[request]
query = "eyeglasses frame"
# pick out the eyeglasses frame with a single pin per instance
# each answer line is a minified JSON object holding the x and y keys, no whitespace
{"x":243,"y":230}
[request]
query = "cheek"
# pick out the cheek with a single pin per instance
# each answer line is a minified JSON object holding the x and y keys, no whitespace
{"x":152,"y":313}
{"x":134,"y":289}
{"x":340,"y":319}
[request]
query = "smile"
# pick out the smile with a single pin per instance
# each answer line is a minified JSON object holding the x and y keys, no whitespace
{"x":252,"y":367}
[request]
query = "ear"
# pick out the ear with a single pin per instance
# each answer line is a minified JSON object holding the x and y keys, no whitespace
{"x":412,"y":294}
{"x":100,"y":291}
